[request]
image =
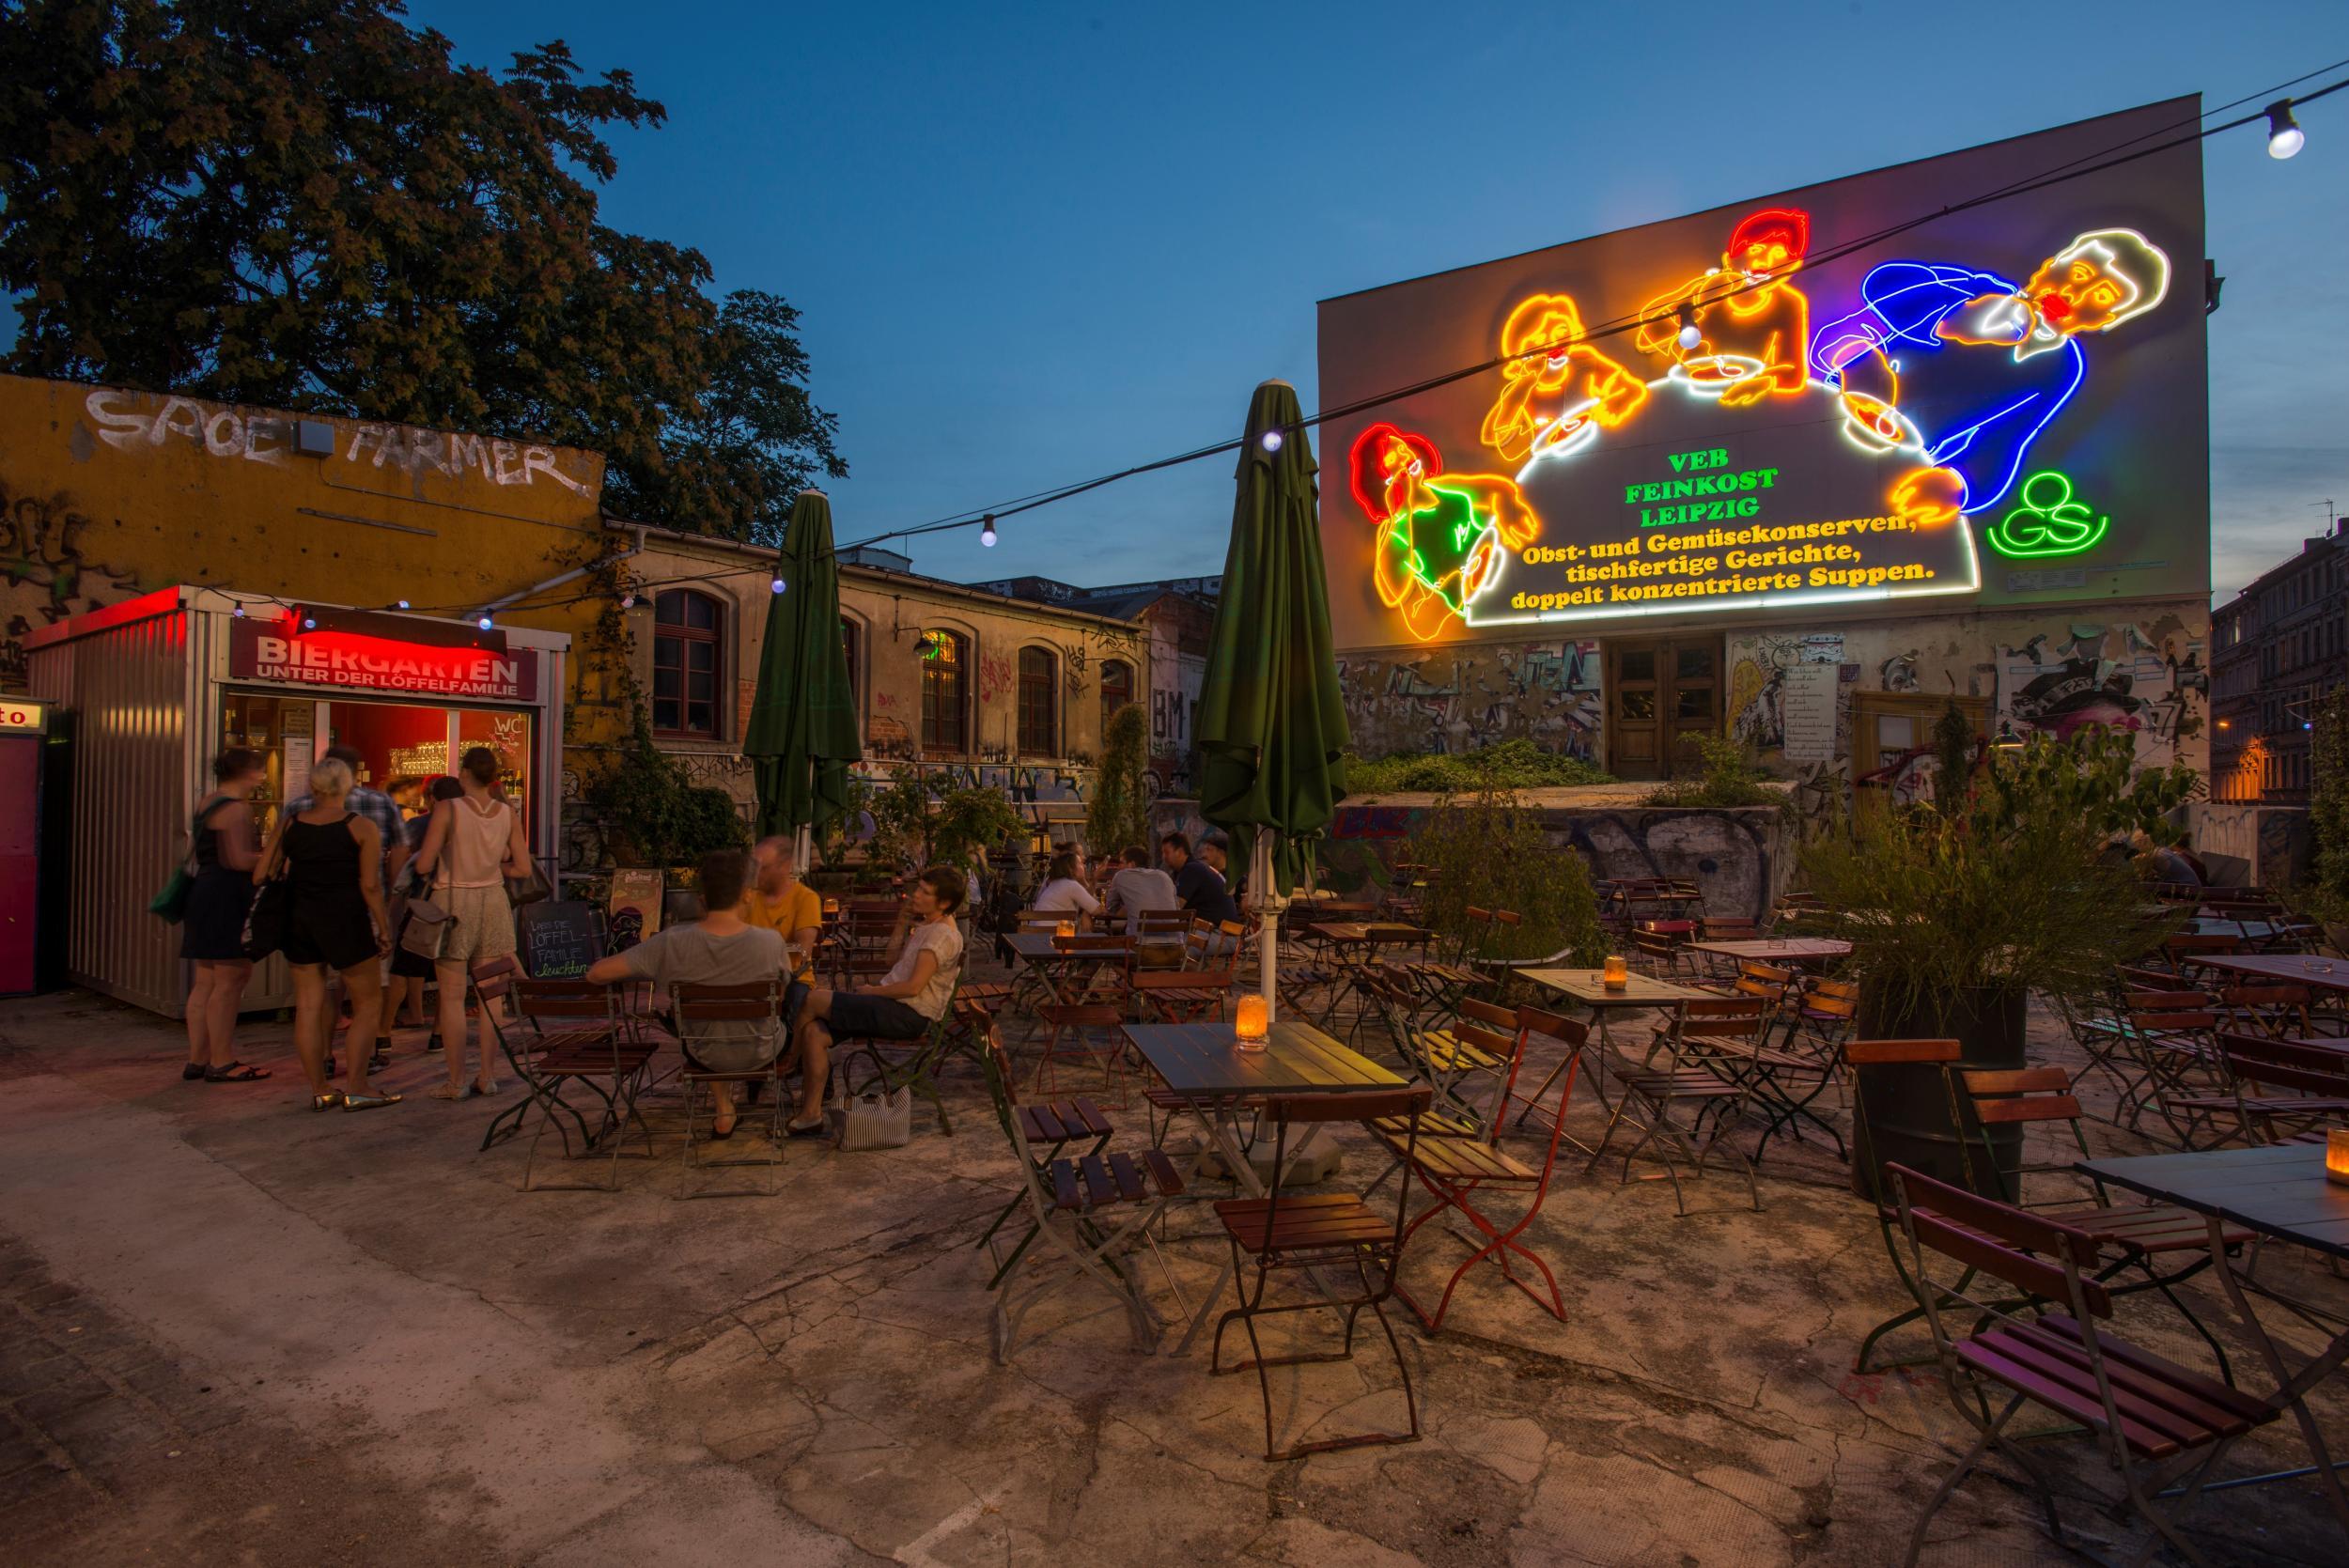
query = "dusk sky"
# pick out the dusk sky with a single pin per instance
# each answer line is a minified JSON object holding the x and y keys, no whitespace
{"x":1033,"y":244}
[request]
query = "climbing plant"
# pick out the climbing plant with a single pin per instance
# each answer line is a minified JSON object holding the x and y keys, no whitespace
{"x":1119,"y":813}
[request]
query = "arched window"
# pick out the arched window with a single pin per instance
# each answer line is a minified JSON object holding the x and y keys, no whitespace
{"x":848,"y":630}
{"x":945,"y":692}
{"x":1117,"y":689}
{"x":687,"y":656}
{"x":1039,"y":702}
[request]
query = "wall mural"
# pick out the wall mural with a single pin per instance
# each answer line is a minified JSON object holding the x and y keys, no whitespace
{"x":47,"y":575}
{"x":1464,"y":697}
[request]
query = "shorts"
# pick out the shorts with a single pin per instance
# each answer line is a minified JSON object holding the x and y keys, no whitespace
{"x":875,"y":1017}
{"x":333,"y":931}
{"x":480,"y":923}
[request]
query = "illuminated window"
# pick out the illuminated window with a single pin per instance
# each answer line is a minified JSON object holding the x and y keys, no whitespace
{"x":1040,"y":679}
{"x":1117,"y":689}
{"x":945,"y":691}
{"x":685,"y":664}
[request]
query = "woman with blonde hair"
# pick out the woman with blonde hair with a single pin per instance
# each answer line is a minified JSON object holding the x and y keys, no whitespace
{"x":332,"y":858}
{"x":475,"y":843}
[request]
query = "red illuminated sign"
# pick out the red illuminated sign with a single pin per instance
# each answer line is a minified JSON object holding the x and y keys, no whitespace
{"x":274,"y":650}
{"x":18,"y":714}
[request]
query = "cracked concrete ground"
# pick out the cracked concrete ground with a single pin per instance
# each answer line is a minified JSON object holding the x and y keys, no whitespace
{"x":238,"y":1332}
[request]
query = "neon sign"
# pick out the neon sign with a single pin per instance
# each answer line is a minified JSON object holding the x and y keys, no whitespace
{"x":1440,"y":535}
{"x":1754,"y":325}
{"x":2047,"y":523}
{"x":274,"y":652}
{"x":1558,"y":400}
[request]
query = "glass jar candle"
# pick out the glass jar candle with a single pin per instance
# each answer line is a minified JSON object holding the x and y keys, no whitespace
{"x":1618,"y":972}
{"x":1251,"y":1020}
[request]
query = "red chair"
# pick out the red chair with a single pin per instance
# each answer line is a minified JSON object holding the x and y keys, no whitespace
{"x":1286,"y":1232}
{"x":2162,"y":1426}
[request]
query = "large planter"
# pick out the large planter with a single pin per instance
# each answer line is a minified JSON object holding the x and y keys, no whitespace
{"x":1912,"y":1115}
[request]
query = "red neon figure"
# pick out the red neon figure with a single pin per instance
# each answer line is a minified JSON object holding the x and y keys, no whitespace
{"x":1547,"y":399}
{"x":1440,"y":535}
{"x":1756,"y":324}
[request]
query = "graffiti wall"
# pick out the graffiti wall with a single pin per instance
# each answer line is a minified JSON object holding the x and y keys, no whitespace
{"x":1459,"y":698}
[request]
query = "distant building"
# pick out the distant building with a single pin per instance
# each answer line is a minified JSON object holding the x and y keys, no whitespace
{"x":1179,"y":614}
{"x":2277,"y":649}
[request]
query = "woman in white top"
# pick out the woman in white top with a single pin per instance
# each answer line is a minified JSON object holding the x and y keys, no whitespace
{"x":1064,"y":885}
{"x":927,"y":953}
{"x":475,"y":843}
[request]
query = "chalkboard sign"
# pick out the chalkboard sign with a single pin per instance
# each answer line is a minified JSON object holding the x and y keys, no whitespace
{"x":558,"y":940}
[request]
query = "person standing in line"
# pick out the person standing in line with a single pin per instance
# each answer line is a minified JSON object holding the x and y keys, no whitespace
{"x":382,"y":809}
{"x":925,"y":954}
{"x":212,"y":936}
{"x":410,"y":970}
{"x":475,"y":843}
{"x":333,"y":859}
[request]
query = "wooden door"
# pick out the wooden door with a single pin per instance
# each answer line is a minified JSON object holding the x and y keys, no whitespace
{"x":1661,"y":695}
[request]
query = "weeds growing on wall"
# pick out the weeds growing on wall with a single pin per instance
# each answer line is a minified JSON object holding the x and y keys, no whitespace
{"x":1511,"y":764}
{"x":1484,"y":848}
{"x":1728,"y":780}
{"x":655,"y":813}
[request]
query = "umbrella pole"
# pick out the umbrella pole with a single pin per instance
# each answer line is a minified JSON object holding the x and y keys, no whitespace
{"x":801,"y":852}
{"x":1267,"y":904}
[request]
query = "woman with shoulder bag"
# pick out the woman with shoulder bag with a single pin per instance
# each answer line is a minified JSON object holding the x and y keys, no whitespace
{"x":332,"y":859}
{"x":410,"y":970}
{"x":212,"y":938}
{"x":475,"y":843}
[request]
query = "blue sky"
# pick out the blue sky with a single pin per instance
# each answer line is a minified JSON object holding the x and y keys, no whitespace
{"x":1035,"y":244}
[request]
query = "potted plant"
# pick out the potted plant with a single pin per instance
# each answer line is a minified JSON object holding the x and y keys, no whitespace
{"x":1959,"y":909}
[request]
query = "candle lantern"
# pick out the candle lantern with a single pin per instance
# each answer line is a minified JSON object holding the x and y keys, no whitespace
{"x":1618,"y":972}
{"x":1065,"y":928}
{"x":2337,"y":1156}
{"x":1251,"y":1020}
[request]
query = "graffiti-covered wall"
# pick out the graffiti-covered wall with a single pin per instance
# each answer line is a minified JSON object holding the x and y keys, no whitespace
{"x":1456,"y":699}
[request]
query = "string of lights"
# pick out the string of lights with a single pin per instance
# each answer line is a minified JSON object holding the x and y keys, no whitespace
{"x":2285,"y":138}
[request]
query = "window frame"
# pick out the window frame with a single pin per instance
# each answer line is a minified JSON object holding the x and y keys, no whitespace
{"x":1108,"y":711}
{"x":687,"y":636}
{"x":1024,"y":740}
{"x":966,"y":691}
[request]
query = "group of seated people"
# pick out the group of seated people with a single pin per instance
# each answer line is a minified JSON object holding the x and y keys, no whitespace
{"x":761,"y":926}
{"x":1190,"y":881}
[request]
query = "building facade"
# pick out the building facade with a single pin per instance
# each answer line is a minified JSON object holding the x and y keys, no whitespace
{"x":2278,"y":647}
{"x":1706,"y":478}
{"x":961,"y":685}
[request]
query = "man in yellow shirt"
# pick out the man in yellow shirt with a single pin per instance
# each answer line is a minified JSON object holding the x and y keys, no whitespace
{"x":780,"y":902}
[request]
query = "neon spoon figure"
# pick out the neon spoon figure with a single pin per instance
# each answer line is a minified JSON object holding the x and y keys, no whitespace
{"x":1440,"y":535}
{"x":1972,"y":367}
{"x":1755,"y":324}
{"x":1557,"y":401}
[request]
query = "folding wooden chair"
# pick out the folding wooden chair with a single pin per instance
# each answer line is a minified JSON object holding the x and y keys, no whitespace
{"x":2174,"y":1038}
{"x":700,"y":1011}
{"x":2159,"y":1424}
{"x":2280,"y":1012}
{"x":1456,"y":1172}
{"x":1826,"y":1011}
{"x":1284,"y":1233}
{"x":2131,"y":1233}
{"x":2308,"y":1080}
{"x":1653,"y":1099}
{"x":1088,"y":1032}
{"x":1871,"y":1061}
{"x":1090,"y":1212}
{"x":578,"y":1039}
{"x":1784,"y":1082}
{"x":1181,"y":996}
{"x":894,"y":1065}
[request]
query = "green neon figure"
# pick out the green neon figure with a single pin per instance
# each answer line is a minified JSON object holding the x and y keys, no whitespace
{"x":2047,"y":523}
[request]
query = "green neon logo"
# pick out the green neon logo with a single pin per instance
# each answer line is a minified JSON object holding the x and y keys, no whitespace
{"x":2049,"y":521}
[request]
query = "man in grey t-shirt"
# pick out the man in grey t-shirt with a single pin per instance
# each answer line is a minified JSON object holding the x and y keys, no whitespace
{"x":1139,"y":888}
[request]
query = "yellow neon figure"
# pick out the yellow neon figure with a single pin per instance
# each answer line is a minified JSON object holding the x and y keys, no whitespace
{"x":1756,"y":325}
{"x":1441,"y":537}
{"x":1549,"y":400}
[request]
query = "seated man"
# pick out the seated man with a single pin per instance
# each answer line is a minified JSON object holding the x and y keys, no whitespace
{"x":1212,"y":899}
{"x":926,"y":950}
{"x":719,"y":949}
{"x":1138,"y":890}
{"x":780,"y":902}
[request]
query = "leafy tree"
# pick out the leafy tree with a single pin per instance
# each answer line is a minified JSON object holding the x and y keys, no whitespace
{"x":304,"y":203}
{"x":2326,"y":894}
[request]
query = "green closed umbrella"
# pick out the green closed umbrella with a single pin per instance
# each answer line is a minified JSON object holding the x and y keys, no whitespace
{"x":803,"y":734}
{"x":1271,"y":727}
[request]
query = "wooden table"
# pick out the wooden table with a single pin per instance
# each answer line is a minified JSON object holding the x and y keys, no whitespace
{"x":1792,"y":949}
{"x":1368,"y":936}
{"x":1590,"y":989}
{"x":1203,"y":1063}
{"x":2297,"y":969}
{"x":2279,"y":1192}
{"x":1041,"y":952}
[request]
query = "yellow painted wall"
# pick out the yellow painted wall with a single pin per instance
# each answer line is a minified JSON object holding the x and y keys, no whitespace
{"x":106,"y":493}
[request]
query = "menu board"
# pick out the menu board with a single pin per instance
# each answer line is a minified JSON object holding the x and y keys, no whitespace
{"x":558,"y":938}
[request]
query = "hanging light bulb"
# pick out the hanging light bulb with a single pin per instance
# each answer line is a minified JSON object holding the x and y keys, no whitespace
{"x":485,"y":623}
{"x":987,"y":531}
{"x":2284,"y":135}
{"x":1690,"y":336}
{"x":237,"y":611}
{"x":309,"y":623}
{"x":628,"y":601}
{"x":403,"y":604}
{"x":1272,"y":439}
{"x":774,"y":585}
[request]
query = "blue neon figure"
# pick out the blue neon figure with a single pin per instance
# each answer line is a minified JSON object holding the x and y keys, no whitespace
{"x":1971,"y":366}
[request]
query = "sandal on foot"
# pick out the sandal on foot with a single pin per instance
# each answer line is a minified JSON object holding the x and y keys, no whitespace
{"x":450,"y":1092}
{"x":368,"y":1101}
{"x":235,"y":1072}
{"x":192,"y":1071}
{"x":814,"y":1129}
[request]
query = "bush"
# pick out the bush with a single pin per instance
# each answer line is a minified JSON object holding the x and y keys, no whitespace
{"x":1119,"y":813}
{"x":1728,"y":780}
{"x":1510,"y":765}
{"x":1484,"y":848}
{"x":2325,"y":895}
{"x":648,"y":804}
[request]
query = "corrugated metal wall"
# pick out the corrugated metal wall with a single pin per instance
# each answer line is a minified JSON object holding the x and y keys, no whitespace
{"x":132,"y":690}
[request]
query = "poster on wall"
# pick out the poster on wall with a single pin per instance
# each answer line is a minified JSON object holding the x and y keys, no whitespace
{"x":1784,"y":403}
{"x":634,"y":909}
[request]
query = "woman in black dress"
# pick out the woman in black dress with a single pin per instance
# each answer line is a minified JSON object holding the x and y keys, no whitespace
{"x":212,"y":931}
{"x":331,"y":859}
